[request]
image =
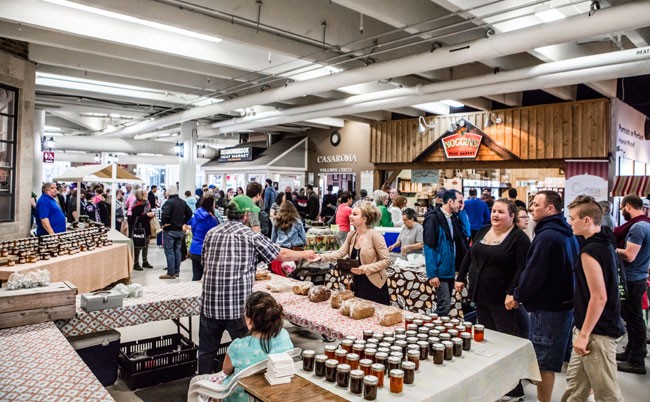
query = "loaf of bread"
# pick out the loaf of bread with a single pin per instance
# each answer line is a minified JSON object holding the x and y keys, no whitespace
{"x":277,"y":286}
{"x":302,"y":289}
{"x":339,"y":297}
{"x":319,"y":293}
{"x":262,"y":275}
{"x":345,"y":306}
{"x":390,"y":316}
{"x":361,"y":309}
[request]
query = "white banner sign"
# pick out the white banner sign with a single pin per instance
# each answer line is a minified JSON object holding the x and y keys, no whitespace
{"x":584,"y":184}
{"x":630,"y":132}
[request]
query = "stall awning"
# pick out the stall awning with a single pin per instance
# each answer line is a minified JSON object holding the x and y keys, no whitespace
{"x":625,"y":185}
{"x":98,"y":173}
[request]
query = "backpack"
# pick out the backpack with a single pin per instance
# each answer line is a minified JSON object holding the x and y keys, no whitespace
{"x":91,"y":210}
{"x":265,"y":224}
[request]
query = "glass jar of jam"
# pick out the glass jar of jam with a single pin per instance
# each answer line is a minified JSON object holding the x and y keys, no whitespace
{"x":308,"y":360}
{"x":454,"y":321}
{"x":396,"y":349}
{"x":367,"y":334}
{"x":434,"y":316}
{"x":364,"y":365}
{"x":408,"y":320}
{"x":423,"y":337}
{"x":479,"y":333}
{"x":400,"y":331}
{"x":432,"y":341}
{"x":381,"y":358}
{"x":411,"y":340}
{"x":379,"y":337}
{"x":445,"y":337}
{"x":356,"y":381}
{"x":423,"y":330}
{"x":384,"y":345}
{"x":330,"y":369}
{"x":379,"y":371}
{"x":414,"y":356}
{"x":369,"y":353}
{"x":340,"y":355}
{"x":358,"y":348}
{"x":438,"y":353}
{"x":440,"y":328}
{"x":418,"y":322}
{"x":352,"y":359}
{"x":393,"y":363}
{"x":388,"y":334}
{"x":346,"y":344}
{"x":434,"y":332}
{"x":396,"y":381}
{"x":448,"y":326}
{"x":449,"y":349}
{"x":445,"y":319}
{"x":383,"y":350}
{"x":343,"y":375}
{"x":400,"y":337}
{"x":329,"y":351}
{"x":461,"y":328}
{"x":453,"y":333}
{"x":458,"y":346}
{"x":467,"y":340}
{"x":401,"y":344}
{"x":468,"y":325}
{"x":426,"y":319}
{"x":372,"y":341}
{"x":370,"y":384}
{"x":399,"y":355}
{"x":424,"y":349}
{"x":361,"y":342}
{"x":409,"y":372}
{"x":319,"y":365}
{"x":389,"y":340}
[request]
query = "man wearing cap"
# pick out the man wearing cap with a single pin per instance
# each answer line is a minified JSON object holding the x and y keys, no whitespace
{"x":253,"y":193}
{"x":230,"y":254}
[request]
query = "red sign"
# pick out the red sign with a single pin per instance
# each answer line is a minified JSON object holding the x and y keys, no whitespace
{"x":463,"y":144}
{"x":48,"y":157}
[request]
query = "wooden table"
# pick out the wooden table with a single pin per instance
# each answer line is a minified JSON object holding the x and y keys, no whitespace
{"x":298,"y":390}
{"x":88,"y":271}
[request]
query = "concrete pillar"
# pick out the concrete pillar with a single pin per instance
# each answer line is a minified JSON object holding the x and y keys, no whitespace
{"x":187,"y":163}
{"x":37,"y":168}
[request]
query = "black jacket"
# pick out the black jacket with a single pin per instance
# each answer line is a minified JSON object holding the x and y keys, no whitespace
{"x":175,"y":212}
{"x":153,"y":200}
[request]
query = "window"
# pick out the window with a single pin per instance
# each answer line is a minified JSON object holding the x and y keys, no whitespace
{"x":8,"y":134}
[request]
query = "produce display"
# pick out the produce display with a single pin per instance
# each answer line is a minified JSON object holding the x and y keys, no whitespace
{"x":321,"y":240}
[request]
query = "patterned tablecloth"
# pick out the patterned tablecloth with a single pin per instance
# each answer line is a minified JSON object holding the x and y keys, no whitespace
{"x":160,"y":302}
{"x":38,"y":364}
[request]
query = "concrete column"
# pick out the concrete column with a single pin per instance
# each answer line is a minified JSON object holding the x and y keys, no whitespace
{"x":37,"y":168}
{"x":187,"y":163}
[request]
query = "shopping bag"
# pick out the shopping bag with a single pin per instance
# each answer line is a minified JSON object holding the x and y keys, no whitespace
{"x":139,"y":236}
{"x":124,"y":227}
{"x":155,"y":226}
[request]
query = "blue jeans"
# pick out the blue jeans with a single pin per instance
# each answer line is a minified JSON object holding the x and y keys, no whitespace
{"x":172,"y":241}
{"x":210,"y":333}
{"x":550,"y":333}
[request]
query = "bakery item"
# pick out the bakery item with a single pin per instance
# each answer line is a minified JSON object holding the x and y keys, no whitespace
{"x":319,"y":293}
{"x":302,"y":288}
{"x":390,"y":316}
{"x":361,"y":309}
{"x":345,"y":306}
{"x":263,"y":275}
{"x":339,"y":297}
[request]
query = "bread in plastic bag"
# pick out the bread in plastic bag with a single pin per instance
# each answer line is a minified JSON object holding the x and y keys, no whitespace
{"x":302,"y":288}
{"x":16,"y":281}
{"x":345,"y":306}
{"x":390,"y":316}
{"x":278,"y":286}
{"x":319,"y":294}
{"x":339,"y":297}
{"x":362,"y":309}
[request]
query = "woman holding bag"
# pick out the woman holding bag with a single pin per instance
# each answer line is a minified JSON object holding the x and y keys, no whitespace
{"x":368,"y":247}
{"x":288,"y":232}
{"x":139,"y":222}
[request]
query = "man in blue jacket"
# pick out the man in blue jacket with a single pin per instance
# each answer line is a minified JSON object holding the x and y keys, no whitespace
{"x":269,"y":195}
{"x":445,"y":246}
{"x":477,"y":212}
{"x":546,"y":287}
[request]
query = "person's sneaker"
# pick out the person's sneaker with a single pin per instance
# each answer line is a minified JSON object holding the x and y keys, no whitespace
{"x":622,"y":357}
{"x":137,"y":267}
{"x":628,"y":367}
{"x":146,"y":265}
{"x":507,"y":398}
{"x":167,"y":276}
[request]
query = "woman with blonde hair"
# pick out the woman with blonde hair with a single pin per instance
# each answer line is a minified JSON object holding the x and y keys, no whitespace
{"x":368,"y":248}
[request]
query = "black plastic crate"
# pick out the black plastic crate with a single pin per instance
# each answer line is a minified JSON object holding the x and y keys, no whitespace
{"x":151,"y":361}
{"x":221,"y":356}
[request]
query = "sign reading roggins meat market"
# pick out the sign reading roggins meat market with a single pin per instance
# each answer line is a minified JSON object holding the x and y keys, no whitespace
{"x":462,"y":144}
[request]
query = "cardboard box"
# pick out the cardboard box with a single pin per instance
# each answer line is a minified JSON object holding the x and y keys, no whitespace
{"x":35,"y":305}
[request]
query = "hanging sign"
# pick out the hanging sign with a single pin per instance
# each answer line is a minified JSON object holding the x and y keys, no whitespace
{"x":462,"y":144}
{"x":48,"y":157}
{"x":236,"y":154}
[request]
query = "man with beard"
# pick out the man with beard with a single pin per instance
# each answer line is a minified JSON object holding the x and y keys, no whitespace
{"x":633,"y":246}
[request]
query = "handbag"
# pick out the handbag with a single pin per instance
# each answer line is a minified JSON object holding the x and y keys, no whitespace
{"x":124,"y":227}
{"x":139,"y":235}
{"x":346,"y":264}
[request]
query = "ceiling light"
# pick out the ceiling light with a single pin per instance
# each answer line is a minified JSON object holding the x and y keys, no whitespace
{"x":97,"y":158}
{"x":595,"y":6}
{"x":139,"y":21}
{"x":550,"y":15}
{"x":424,"y":126}
{"x":452,"y":103}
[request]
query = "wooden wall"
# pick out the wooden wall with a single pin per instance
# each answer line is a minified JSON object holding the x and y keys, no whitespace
{"x":572,"y":130}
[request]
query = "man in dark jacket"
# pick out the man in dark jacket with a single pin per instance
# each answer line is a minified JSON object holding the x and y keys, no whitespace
{"x":445,"y":246}
{"x":153,"y":198}
{"x":329,"y":204}
{"x":175,"y":213}
{"x":546,"y":287}
{"x":269,"y":195}
{"x":312,"y":203}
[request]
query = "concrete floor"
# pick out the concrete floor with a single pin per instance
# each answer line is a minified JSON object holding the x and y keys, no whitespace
{"x":634,"y":387}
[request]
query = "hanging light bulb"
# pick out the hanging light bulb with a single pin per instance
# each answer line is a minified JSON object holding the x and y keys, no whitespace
{"x":424,"y":126}
{"x":97,"y":158}
{"x":202,"y":151}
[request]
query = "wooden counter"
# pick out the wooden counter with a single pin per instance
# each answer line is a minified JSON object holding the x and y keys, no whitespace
{"x":298,"y":390}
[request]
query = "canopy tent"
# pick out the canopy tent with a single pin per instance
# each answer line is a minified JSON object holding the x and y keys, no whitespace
{"x":624,"y":185}
{"x":110,"y":173}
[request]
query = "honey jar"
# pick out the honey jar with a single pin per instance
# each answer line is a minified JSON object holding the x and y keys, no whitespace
{"x":396,"y":381}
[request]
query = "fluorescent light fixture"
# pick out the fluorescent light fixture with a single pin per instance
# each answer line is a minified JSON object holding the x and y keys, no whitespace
{"x":452,"y":103}
{"x":135,"y":20}
{"x":433,"y":107}
{"x":550,"y":15}
{"x":312,"y":71}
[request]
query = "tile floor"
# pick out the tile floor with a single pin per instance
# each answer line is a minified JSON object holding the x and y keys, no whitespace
{"x":634,"y":387}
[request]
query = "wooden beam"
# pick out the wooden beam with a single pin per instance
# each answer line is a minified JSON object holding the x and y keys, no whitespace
{"x":474,"y":164}
{"x":392,"y":176}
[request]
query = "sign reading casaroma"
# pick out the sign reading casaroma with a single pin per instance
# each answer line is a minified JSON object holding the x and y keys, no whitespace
{"x":462,"y":144}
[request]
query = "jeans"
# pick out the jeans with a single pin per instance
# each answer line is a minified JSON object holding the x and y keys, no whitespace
{"x":197,"y":267}
{"x":632,"y":313}
{"x":210,"y":333}
{"x":443,"y":296}
{"x":172,"y":240}
{"x":550,"y":332}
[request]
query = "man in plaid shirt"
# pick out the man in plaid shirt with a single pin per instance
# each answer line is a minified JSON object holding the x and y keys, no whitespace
{"x":230,"y":255}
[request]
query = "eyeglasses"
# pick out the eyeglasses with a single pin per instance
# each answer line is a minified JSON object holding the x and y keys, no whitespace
{"x":523,"y":217}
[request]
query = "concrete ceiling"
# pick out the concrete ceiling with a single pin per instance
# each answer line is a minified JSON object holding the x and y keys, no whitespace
{"x":105,"y":65}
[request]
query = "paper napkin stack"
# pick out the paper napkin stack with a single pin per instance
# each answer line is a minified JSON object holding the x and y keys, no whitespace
{"x":279,"y":368}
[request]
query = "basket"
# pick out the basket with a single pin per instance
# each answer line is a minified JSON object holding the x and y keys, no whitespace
{"x":151,"y":361}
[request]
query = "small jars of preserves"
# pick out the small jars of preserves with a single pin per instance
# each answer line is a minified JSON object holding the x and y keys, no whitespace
{"x":356,"y":381}
{"x":319,"y":365}
{"x":434,"y":316}
{"x":369,"y":353}
{"x":409,"y":372}
{"x":367,"y":334}
{"x":424,"y":349}
{"x":445,"y":337}
{"x":408,"y":320}
{"x":346,"y":344}
{"x":449,"y":349}
{"x":418,"y":322}
{"x":393,"y":363}
{"x":396,"y":381}
{"x":329,"y":351}
{"x":352,"y":359}
{"x":379,"y":371}
{"x":414,"y":356}
{"x":400,"y":331}
{"x":330,"y":369}
{"x":358,"y":348}
{"x":370,"y":384}
{"x":453,"y":333}
{"x":364,"y":365}
{"x":457,"y":346}
{"x":438,"y":353}
{"x":381,"y":358}
{"x":340,"y":355}
{"x":308,"y":357}
{"x":467,"y":340}
{"x":343,"y":375}
{"x":479,"y":333}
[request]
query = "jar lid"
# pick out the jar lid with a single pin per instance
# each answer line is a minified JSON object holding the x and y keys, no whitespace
{"x":434,"y":332}
{"x":384,"y":345}
{"x":356,"y":373}
{"x":368,"y":331}
{"x":373,"y":341}
{"x":418,"y":322}
{"x":399,"y":331}
{"x":351,"y":337}
{"x":394,"y":359}
{"x":411,"y":333}
{"x":397,"y":354}
{"x":321,"y":358}
{"x":389,"y":339}
{"x":423,"y":344}
{"x":434,"y":339}
{"x":389,"y":333}
{"x":378,"y":367}
{"x":331,"y":362}
{"x":408,"y":365}
{"x":447,"y":343}
{"x":396,"y":373}
{"x":347,"y":342}
{"x":360,"y":342}
{"x":365,"y":362}
{"x":395,"y":349}
{"x":479,"y":327}
{"x":383,"y":350}
{"x":401,"y":343}
{"x":341,"y":352}
{"x":413,"y":346}
{"x":343,"y":367}
{"x":352,"y":356}
{"x":370,"y":380}
{"x":413,"y":352}
{"x":465,"y":335}
{"x":461,"y":328}
{"x":456,"y":340}
{"x":308,"y":353}
{"x":370,"y":351}
{"x":438,"y":346}
{"x":381,"y":355}
{"x":400,"y":336}
{"x":330,"y":347}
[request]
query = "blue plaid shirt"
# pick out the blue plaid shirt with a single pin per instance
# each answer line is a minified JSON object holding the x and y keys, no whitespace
{"x":230,"y":254}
